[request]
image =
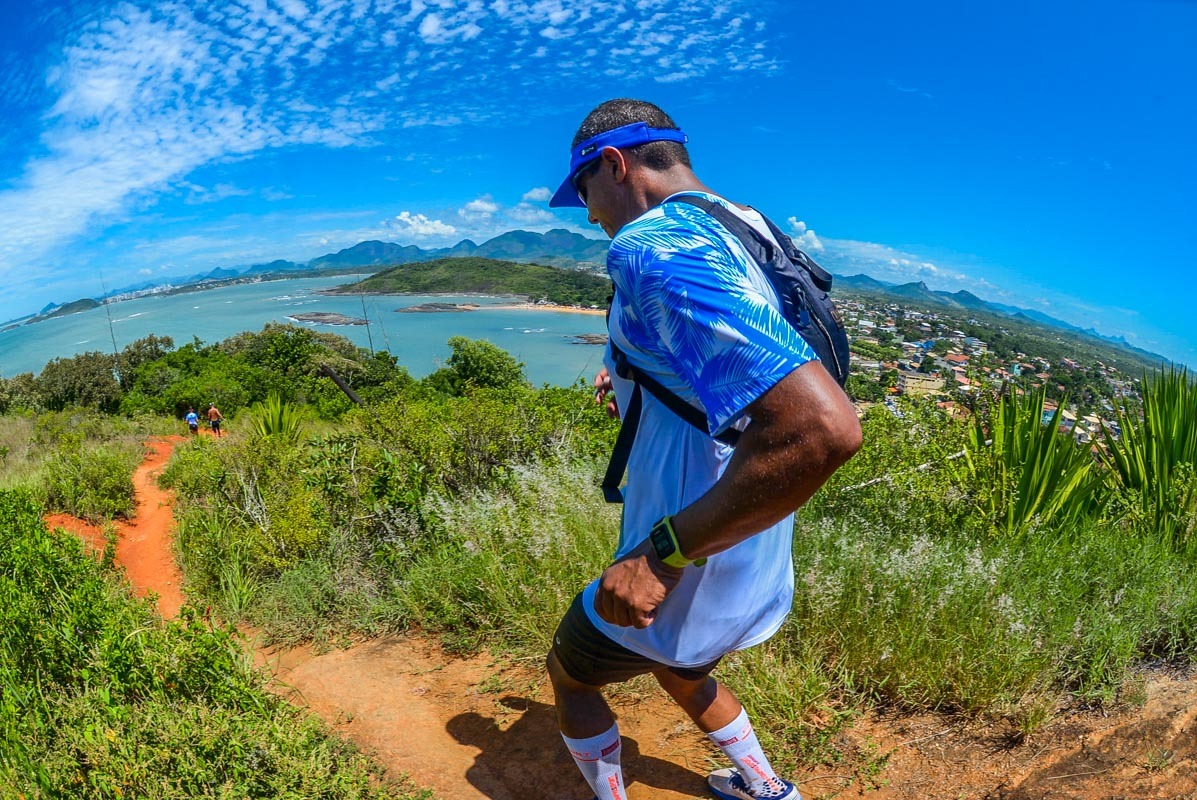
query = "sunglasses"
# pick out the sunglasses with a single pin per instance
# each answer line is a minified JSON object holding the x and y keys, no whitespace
{"x":584,"y":172}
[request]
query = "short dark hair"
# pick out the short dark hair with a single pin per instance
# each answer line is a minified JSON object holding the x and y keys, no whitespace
{"x":624,"y":111}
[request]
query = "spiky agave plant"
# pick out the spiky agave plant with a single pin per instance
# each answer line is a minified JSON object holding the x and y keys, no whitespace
{"x":1152,"y":460}
{"x":1027,"y":470}
{"x":276,"y":418}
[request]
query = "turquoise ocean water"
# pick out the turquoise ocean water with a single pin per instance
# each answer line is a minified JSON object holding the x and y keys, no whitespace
{"x":543,"y":340}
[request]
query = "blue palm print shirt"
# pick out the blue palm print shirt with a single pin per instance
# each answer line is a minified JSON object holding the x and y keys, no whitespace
{"x":697,"y":313}
{"x":694,"y":310}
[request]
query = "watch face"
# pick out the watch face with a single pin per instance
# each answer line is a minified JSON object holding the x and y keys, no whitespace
{"x":662,"y":541}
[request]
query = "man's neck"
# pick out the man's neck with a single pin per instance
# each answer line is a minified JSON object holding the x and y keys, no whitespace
{"x":660,"y":185}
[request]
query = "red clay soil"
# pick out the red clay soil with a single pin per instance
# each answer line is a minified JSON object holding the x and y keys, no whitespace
{"x":483,"y":727}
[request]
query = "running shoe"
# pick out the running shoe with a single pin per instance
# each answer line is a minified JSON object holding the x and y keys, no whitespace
{"x":728,"y":784}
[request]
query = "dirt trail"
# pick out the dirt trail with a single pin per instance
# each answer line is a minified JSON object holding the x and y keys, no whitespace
{"x":484,"y":728}
{"x":143,"y":544}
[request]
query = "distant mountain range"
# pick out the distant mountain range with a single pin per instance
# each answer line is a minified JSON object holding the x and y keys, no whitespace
{"x":555,"y":248}
{"x":562,"y":248}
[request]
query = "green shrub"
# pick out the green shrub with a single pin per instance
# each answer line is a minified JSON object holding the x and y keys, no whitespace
{"x":1023,"y":470}
{"x":465,"y":442}
{"x":275,"y":418}
{"x":476,"y":364}
{"x":94,"y":483}
{"x":1152,"y":462}
{"x":255,"y":488}
{"x":87,"y":380}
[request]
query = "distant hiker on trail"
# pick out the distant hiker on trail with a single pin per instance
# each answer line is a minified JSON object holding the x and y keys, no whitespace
{"x":192,"y":421}
{"x":703,"y":565}
{"x":214,"y":418}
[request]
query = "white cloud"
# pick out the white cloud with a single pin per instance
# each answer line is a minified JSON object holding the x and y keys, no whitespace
{"x":199,"y":194}
{"x":420,"y":225}
{"x":909,"y":89}
{"x":541,"y":194}
{"x":528,"y":214}
{"x":803,"y":236}
{"x":481,"y":208}
{"x":848,"y":257}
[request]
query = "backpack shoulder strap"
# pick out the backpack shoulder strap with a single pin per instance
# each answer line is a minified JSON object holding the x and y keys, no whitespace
{"x":671,"y":401}
{"x":821,"y":277}
{"x":756,"y":243}
{"x":622,"y":450}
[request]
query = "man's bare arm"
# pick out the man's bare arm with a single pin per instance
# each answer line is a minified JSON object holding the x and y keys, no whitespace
{"x":802,"y":431}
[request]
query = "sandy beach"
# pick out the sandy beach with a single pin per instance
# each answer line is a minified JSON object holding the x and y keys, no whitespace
{"x":551,"y":307}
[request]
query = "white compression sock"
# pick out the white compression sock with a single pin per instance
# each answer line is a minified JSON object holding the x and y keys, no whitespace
{"x":738,"y":742}
{"x":598,"y":759}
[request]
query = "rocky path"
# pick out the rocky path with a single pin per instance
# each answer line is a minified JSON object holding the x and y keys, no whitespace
{"x":483,"y":727}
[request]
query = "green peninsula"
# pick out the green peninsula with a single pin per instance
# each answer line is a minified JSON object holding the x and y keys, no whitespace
{"x":536,"y":283}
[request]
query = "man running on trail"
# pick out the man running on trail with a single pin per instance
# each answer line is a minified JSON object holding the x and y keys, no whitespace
{"x":703,"y":565}
{"x":192,"y":421}
{"x":214,"y":418}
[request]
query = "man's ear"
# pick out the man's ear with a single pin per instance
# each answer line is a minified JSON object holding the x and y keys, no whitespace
{"x":615,"y":159}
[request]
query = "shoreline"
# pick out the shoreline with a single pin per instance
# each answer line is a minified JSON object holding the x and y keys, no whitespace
{"x":548,"y":307}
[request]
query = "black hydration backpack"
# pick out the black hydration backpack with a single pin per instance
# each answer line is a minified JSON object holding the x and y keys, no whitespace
{"x":803,"y":287}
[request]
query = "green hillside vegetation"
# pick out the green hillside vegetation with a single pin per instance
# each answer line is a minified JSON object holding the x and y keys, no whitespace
{"x":73,"y":307}
{"x":488,"y":276}
{"x":1026,"y":577}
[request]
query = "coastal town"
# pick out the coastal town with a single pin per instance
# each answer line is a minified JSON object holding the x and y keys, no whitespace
{"x":954,"y":358}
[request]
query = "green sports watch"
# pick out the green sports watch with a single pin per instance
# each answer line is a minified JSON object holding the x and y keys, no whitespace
{"x":668,"y":550}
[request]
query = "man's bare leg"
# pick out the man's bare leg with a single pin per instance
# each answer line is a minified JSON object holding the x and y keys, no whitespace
{"x":589,"y":730}
{"x":717,"y":713}
{"x":709,"y":703}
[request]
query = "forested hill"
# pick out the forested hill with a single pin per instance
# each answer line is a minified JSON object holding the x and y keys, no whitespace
{"x":487,"y":276}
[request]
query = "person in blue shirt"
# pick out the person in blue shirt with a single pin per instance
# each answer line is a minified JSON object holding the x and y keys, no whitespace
{"x":192,"y":421}
{"x":703,"y":565}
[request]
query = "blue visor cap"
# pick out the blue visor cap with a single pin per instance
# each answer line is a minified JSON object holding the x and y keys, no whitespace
{"x":588,"y":150}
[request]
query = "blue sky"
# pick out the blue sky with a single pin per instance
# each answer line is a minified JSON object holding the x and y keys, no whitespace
{"x":1039,"y":154}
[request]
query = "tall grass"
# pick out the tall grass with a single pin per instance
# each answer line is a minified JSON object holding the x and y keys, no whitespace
{"x":509,"y":560}
{"x":30,"y":441}
{"x":20,"y":459}
{"x":920,"y":621}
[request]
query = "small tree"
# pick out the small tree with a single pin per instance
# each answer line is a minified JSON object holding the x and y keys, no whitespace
{"x":85,"y":380}
{"x":476,"y":363}
{"x":142,"y":351}
{"x":863,"y":388}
